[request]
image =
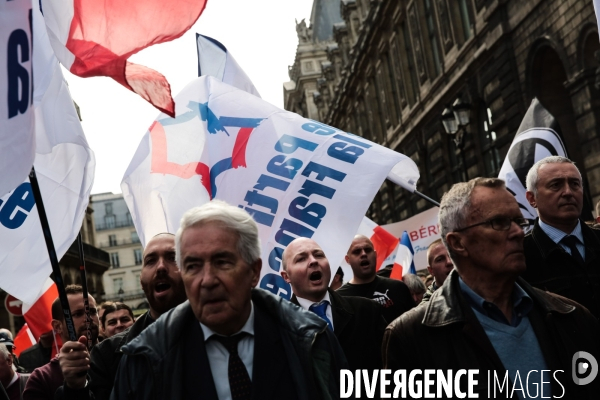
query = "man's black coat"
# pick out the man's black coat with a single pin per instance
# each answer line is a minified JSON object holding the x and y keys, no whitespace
{"x":551,"y":268}
{"x":359,"y":326}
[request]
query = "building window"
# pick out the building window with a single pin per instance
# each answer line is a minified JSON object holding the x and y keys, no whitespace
{"x":112,"y":240}
{"x":137,"y":254}
{"x":118,"y":285}
{"x":114,"y":260}
{"x":108,"y":208}
{"x":408,"y":65}
{"x":134,"y":237}
{"x":461,"y":20}
{"x":434,"y":60}
{"x":110,"y":221}
{"x":491,"y":156}
{"x":129,"y":220}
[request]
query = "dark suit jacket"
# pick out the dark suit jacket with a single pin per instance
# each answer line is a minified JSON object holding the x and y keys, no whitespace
{"x":551,"y":268}
{"x":359,"y":327}
{"x":272,"y":378}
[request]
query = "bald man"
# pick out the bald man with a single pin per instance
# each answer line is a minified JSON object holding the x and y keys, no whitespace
{"x":357,"y":323}
{"x":164,"y":290}
{"x":392,"y":295}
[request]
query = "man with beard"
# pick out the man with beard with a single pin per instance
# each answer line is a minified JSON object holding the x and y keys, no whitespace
{"x":162,"y":284}
{"x":392,"y":295}
{"x":45,"y":380}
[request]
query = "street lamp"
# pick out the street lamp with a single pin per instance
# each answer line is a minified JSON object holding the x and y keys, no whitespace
{"x":455,"y":118}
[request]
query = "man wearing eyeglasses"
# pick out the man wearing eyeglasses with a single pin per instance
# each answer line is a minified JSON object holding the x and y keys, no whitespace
{"x":563,"y":253}
{"x":485,"y":317}
{"x":44,"y":381}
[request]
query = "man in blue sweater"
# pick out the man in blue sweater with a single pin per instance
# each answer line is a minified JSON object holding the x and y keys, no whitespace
{"x":523,"y":342}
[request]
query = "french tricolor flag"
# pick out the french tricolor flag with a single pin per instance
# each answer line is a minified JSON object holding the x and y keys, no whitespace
{"x":383,"y":241}
{"x":404,"y":263}
{"x":95,"y":38}
{"x":23,"y":340}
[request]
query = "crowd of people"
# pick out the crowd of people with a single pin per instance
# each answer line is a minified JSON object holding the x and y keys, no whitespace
{"x":499,"y":300}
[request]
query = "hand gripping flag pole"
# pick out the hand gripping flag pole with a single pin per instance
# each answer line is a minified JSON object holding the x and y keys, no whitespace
{"x":62,"y":294}
{"x":86,"y":303}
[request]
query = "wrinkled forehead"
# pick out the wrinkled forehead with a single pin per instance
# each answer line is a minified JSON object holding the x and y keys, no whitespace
{"x":489,"y":202}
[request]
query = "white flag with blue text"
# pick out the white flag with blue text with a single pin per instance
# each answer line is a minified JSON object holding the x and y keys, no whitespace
{"x":297,"y":177}
{"x":17,"y":140}
{"x":64,"y":167}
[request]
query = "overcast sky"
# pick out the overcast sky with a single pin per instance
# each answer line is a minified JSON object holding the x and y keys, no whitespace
{"x":260,"y":34}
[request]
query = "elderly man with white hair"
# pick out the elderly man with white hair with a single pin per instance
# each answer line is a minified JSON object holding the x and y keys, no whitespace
{"x":229,"y":340}
{"x":487,"y":319}
{"x":562,"y":252}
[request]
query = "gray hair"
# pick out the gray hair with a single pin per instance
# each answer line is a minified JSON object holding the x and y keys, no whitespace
{"x":4,"y":351}
{"x":231,"y":217}
{"x":456,"y":205}
{"x":414,"y":283}
{"x":533,"y":174}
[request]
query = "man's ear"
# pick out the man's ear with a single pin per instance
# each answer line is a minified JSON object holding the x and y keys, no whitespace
{"x":456,"y":243}
{"x":531,"y":199}
{"x":256,"y":266}
{"x":347,"y":258}
{"x":57,"y":326}
{"x":430,"y":270}
{"x":285,"y":276}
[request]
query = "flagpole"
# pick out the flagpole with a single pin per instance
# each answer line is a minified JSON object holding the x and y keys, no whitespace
{"x":62,"y":294}
{"x":429,"y":199}
{"x":86,"y":302}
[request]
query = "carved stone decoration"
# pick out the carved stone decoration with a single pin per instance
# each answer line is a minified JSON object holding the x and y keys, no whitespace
{"x":302,"y":31}
{"x":444,"y":17}
{"x":417,"y":43}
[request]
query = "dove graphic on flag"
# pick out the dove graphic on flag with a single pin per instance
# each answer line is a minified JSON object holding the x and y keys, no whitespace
{"x":64,"y":165}
{"x":95,"y":38}
{"x":296,"y":177}
{"x":17,"y":133}
{"x":404,"y":263}
{"x":536,"y":138}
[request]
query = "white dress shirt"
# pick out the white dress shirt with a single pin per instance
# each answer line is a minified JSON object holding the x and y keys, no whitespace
{"x":307,"y":303}
{"x":218,"y":356}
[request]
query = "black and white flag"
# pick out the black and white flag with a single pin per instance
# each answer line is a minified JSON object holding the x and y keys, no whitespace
{"x":536,"y":138}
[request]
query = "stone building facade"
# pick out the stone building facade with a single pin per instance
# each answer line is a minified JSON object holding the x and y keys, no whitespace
{"x":116,"y":234}
{"x":391,"y":67}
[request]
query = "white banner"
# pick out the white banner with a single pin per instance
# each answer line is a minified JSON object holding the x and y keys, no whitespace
{"x":422,"y":229}
{"x":65,"y":169}
{"x":297,"y":177}
{"x":17,"y":141}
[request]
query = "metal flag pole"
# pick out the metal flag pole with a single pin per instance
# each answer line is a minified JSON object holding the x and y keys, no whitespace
{"x":429,"y":199}
{"x":62,"y":294}
{"x":86,"y":303}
